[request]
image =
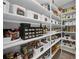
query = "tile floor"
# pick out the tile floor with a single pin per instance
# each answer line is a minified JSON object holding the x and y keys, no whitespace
{"x":64,"y":55}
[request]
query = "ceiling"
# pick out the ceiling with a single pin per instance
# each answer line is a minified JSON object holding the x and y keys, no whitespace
{"x":59,"y":3}
{"x":64,"y":3}
{"x":43,"y":1}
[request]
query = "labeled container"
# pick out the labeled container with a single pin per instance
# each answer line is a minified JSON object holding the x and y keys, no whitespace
{"x":45,"y":18}
{"x":18,"y":10}
{"x":33,"y":15}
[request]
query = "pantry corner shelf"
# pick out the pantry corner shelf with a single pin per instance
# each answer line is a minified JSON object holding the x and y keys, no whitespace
{"x":68,"y":49}
{"x":56,"y":17}
{"x":9,"y":17}
{"x":55,"y":52}
{"x":69,"y":32}
{"x":69,"y":25}
{"x":69,"y":39}
{"x":34,"y":6}
{"x":20,"y":42}
{"x":39,"y":54}
{"x":69,"y":19}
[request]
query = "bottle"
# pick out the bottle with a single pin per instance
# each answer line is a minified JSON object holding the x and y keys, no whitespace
{"x":26,"y":57}
{"x":45,"y":29}
{"x":17,"y":33}
{"x":18,"y":55}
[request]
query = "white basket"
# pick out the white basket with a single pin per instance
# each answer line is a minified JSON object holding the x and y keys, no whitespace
{"x":33,"y":15}
{"x":45,"y":18}
{"x":14,"y":8}
{"x":52,"y":21}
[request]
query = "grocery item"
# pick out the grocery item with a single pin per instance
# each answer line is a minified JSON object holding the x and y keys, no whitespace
{"x":13,"y":33}
{"x":27,"y":32}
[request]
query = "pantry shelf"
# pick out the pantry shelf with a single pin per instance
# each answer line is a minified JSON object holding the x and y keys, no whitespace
{"x":9,"y":17}
{"x":69,"y":25}
{"x":53,"y":6}
{"x":31,"y":5}
{"x":68,"y":49}
{"x":56,"y":25}
{"x":55,"y":17}
{"x":68,"y":46}
{"x":39,"y":54}
{"x":55,"y":52}
{"x":56,"y":41}
{"x":69,"y":32}
{"x":20,"y":42}
{"x":68,"y":39}
{"x":40,"y":26}
{"x":71,"y":19}
{"x":35,"y":6}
